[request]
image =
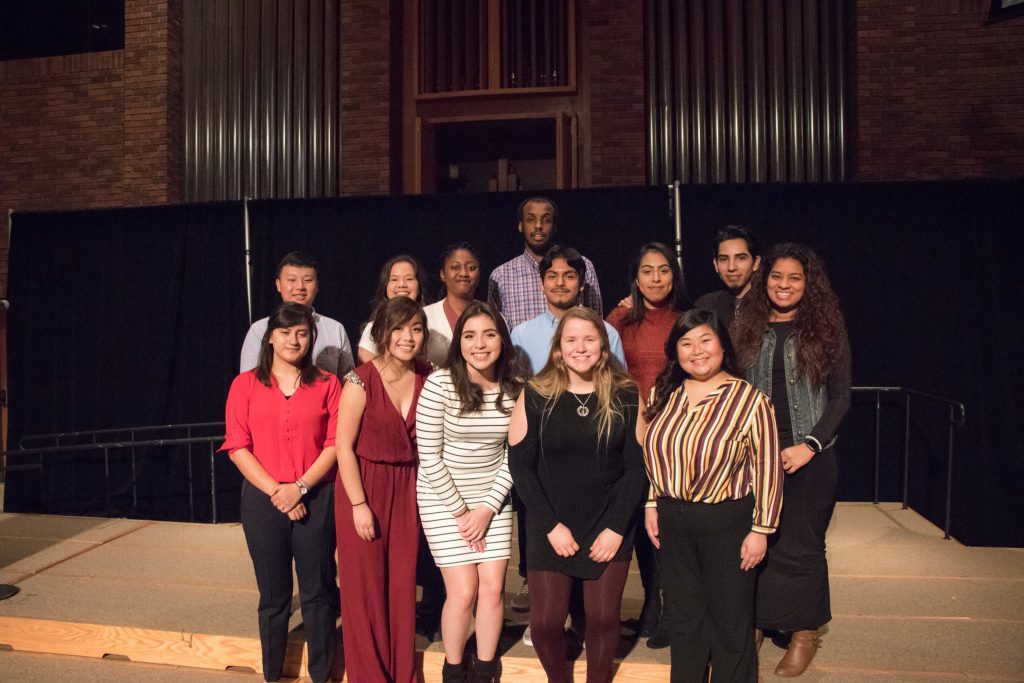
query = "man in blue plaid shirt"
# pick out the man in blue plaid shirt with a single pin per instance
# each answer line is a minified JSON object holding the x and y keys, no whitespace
{"x":514,"y":287}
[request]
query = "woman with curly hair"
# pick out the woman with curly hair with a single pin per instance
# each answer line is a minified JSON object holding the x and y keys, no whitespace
{"x":791,"y":340}
{"x":578,"y":468}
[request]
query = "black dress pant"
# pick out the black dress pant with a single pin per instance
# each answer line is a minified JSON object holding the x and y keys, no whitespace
{"x":646,"y":556}
{"x":273,"y":542}
{"x":709,"y":600}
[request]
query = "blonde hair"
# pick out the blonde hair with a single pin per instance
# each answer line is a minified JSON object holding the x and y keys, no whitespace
{"x":609,"y":376}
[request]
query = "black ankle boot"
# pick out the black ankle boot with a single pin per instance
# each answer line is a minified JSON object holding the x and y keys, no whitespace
{"x":484,"y":672}
{"x":650,"y":615}
{"x":454,"y":673}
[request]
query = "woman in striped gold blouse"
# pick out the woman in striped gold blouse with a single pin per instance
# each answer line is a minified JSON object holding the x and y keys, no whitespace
{"x":712,"y":455}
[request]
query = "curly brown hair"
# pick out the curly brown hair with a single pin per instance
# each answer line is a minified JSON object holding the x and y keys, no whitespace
{"x":819,"y":323}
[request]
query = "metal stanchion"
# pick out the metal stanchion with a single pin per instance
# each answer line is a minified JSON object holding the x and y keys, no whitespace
{"x":6,"y":590}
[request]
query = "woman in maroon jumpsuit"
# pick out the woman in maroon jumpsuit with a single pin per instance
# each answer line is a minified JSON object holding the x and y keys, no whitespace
{"x":375,"y":502}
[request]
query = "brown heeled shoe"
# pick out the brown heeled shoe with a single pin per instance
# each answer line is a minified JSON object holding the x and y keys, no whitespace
{"x":802,"y":649}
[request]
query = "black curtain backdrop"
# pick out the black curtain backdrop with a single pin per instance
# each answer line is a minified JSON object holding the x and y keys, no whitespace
{"x":136,"y":316}
{"x":124,"y":317}
{"x":928,"y":275}
{"x":353,"y":237}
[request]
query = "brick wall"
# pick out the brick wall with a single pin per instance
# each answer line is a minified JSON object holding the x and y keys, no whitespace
{"x":939,"y":93}
{"x":99,"y":129}
{"x":365,"y":134}
{"x":153,"y":130}
{"x":61,"y":130}
{"x":613,"y":58}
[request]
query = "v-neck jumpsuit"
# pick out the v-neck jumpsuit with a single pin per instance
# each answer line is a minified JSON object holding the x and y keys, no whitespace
{"x":378,"y":578}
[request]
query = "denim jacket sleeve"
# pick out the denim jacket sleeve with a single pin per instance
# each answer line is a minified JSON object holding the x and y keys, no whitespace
{"x":837,"y":389}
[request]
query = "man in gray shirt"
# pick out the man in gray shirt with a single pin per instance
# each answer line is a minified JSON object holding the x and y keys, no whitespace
{"x":297,"y":278}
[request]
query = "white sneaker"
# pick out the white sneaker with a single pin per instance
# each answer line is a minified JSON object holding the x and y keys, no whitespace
{"x":527,"y":637}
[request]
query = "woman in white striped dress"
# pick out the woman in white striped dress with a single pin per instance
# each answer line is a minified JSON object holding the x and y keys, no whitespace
{"x":463,"y":483}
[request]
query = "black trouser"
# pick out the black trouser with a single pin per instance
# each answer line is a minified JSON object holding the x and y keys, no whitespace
{"x":709,"y":600}
{"x":273,"y":541}
{"x":646,"y":556}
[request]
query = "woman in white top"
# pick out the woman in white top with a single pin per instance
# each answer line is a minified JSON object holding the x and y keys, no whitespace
{"x":402,"y":275}
{"x":463,"y":482}
{"x":460,"y":274}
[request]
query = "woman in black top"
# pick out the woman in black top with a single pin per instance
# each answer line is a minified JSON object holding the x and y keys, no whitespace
{"x":576,"y":463}
{"x":791,"y":339}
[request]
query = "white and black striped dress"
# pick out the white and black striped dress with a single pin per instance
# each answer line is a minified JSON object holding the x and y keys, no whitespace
{"x":463,"y":464}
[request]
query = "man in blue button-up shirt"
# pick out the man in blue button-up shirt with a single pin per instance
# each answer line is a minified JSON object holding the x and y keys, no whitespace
{"x":562,"y":277}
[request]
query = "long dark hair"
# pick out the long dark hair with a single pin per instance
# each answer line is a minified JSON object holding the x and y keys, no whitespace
{"x":286,"y":315}
{"x":672,"y":375}
{"x":510,"y":380}
{"x":677,"y":299}
{"x":819,"y":325}
{"x":381,"y":295}
{"x":391,"y":316}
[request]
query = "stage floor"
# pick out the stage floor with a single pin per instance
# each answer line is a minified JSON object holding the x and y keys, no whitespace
{"x":907,"y":605}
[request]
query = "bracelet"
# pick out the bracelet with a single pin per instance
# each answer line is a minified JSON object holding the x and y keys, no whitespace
{"x":355,"y":505}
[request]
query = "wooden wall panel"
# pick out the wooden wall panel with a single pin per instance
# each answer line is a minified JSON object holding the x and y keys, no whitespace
{"x":746,"y":91}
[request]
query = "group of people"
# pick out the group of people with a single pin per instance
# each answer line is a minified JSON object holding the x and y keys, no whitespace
{"x":668,"y":430}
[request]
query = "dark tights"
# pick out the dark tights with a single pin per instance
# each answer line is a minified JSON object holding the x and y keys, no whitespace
{"x":602,"y":603}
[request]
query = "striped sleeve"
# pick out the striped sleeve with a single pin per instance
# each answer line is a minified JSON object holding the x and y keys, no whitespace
{"x":430,"y":411}
{"x":502,"y":484}
{"x":767,"y":464}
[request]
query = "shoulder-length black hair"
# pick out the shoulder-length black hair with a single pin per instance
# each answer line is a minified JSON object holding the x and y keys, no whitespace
{"x":381,"y":295}
{"x":507,"y":373}
{"x":391,"y":316}
{"x":672,"y":375}
{"x":289,"y":314}
{"x":677,"y":299}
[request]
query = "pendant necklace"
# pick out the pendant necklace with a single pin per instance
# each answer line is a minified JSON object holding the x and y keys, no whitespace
{"x":583,"y":410}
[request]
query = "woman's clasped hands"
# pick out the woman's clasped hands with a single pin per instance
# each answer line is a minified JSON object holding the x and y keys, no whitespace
{"x":287,"y":498}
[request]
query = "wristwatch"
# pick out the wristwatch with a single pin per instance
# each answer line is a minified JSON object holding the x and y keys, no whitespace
{"x":813,"y":444}
{"x":302,"y":486}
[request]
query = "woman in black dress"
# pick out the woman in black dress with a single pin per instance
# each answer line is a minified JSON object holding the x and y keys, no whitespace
{"x":791,"y":339}
{"x":578,"y":468}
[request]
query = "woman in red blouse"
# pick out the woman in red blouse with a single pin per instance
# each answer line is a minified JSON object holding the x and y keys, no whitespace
{"x":643,"y":320}
{"x":281,"y":421}
{"x":376,"y":517}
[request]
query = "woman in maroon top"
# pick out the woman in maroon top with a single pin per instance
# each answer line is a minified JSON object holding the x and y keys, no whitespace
{"x":281,"y":421}
{"x":643,"y":320}
{"x":375,"y":511}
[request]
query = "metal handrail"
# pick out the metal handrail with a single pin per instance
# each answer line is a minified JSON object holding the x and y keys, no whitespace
{"x":957,"y":419}
{"x":132,"y":444}
{"x":57,"y":436}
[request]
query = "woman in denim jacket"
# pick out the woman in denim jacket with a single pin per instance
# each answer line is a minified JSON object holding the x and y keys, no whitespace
{"x":791,"y":339}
